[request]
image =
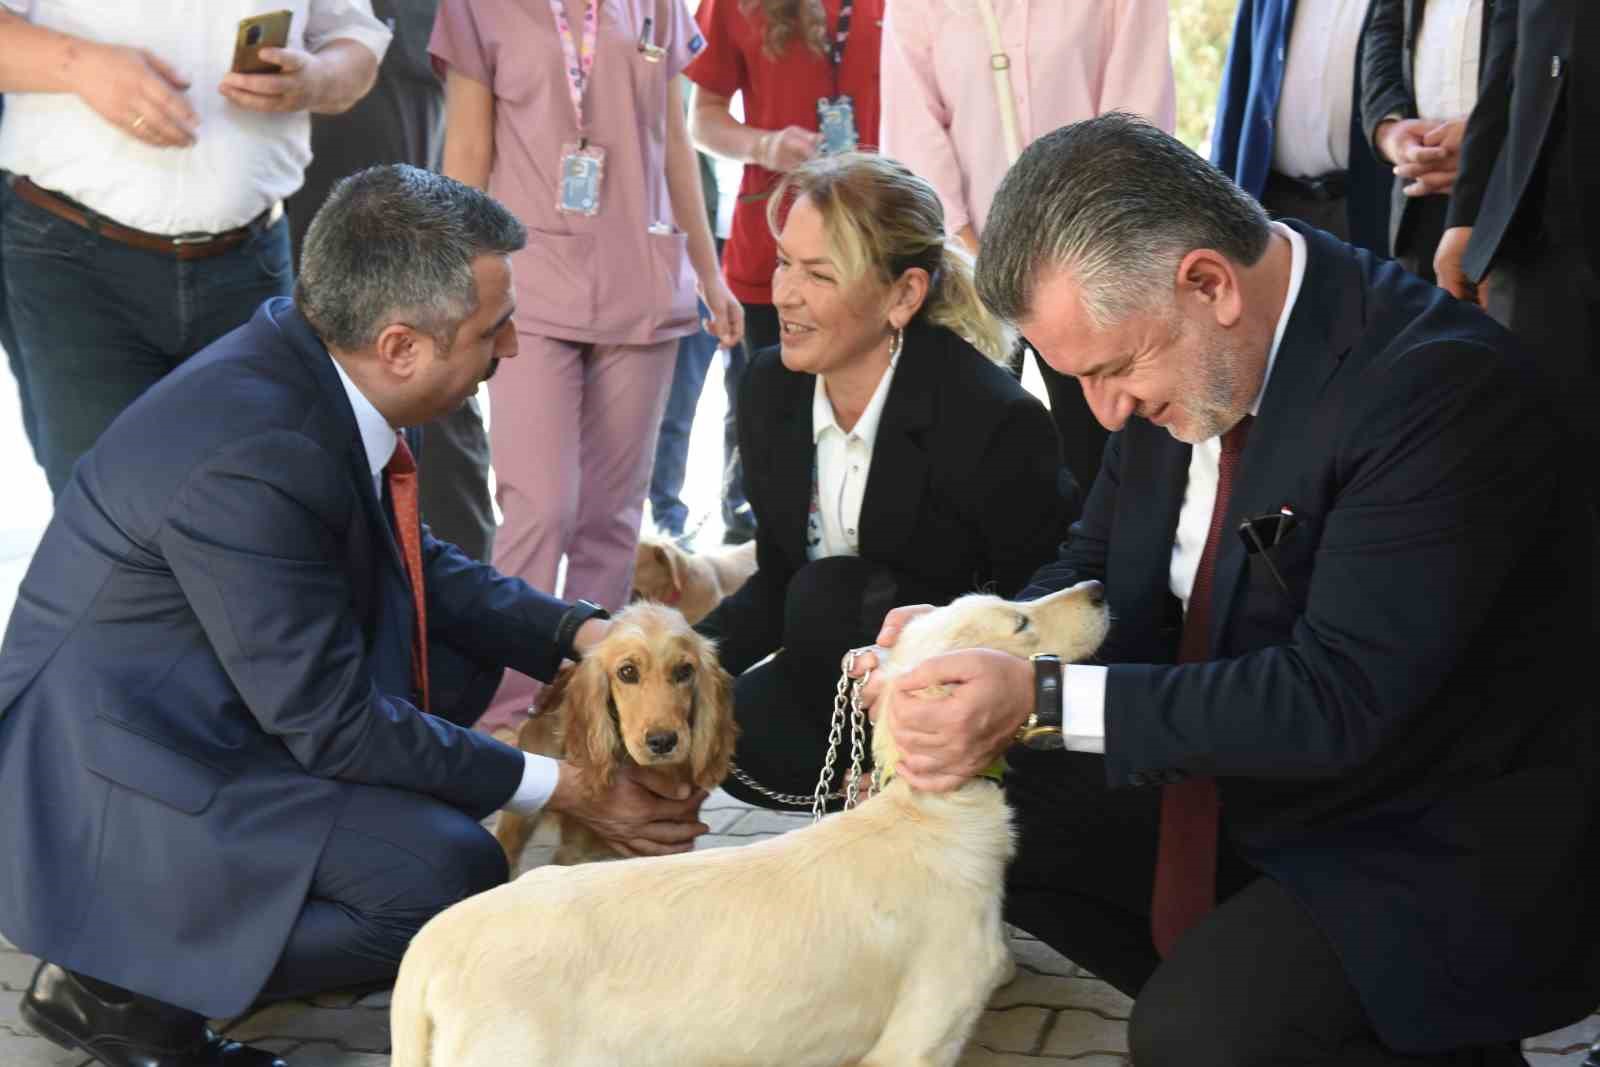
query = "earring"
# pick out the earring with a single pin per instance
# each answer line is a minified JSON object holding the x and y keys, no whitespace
{"x":894,"y":346}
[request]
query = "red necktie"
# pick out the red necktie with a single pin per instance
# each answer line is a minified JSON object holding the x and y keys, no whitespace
{"x":402,"y":477}
{"x":1186,"y":855}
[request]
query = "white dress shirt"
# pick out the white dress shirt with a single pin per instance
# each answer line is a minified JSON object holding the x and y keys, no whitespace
{"x":242,"y":161}
{"x":1312,"y":136}
{"x":839,"y":476}
{"x":1083,"y":687}
{"x":1445,"y":70}
{"x":378,"y":438}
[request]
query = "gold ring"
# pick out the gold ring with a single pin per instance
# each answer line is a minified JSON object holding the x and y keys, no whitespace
{"x":138,"y":122}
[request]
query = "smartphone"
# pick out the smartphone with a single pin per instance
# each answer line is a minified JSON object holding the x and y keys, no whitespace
{"x":255,"y":33}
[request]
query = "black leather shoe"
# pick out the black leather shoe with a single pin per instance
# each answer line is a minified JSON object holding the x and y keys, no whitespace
{"x":1593,"y":1058}
{"x":138,"y":1032}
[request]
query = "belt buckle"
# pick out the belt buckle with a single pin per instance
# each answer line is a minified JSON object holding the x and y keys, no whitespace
{"x":192,"y":239}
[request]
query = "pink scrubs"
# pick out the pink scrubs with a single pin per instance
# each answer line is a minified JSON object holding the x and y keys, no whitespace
{"x":601,"y":299}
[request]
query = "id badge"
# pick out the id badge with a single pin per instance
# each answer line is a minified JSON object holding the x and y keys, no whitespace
{"x":583,"y":166}
{"x":836,"y":122}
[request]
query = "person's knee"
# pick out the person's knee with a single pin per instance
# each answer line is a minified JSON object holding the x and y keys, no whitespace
{"x":1177,"y":1022}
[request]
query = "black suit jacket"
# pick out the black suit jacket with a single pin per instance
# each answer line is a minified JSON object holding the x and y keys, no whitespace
{"x":1405,"y":740}
{"x":963,"y":493}
{"x":1388,"y":63}
{"x":212,"y":642}
{"x":1540,"y":101}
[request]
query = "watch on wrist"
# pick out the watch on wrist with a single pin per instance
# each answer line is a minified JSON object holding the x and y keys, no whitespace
{"x":1043,"y":728}
{"x":579,"y":613}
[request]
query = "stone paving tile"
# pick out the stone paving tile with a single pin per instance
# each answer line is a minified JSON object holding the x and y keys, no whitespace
{"x":1580,"y":1034}
{"x":1040,"y":958}
{"x":356,"y":1029}
{"x":1052,"y":991}
{"x":1012,"y":1030}
{"x":16,"y":1051}
{"x":760,"y":821}
{"x":16,"y":970}
{"x":722,"y":820}
{"x":1077,"y":1033}
{"x":322,"y":1054}
{"x":978,"y":1056}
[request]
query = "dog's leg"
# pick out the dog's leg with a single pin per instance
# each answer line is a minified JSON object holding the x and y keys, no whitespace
{"x":512,"y":831}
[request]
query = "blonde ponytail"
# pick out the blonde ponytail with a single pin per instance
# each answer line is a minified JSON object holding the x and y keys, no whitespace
{"x":954,"y":304}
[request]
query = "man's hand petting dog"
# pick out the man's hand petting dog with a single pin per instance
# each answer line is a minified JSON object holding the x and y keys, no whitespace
{"x":946,"y":740}
{"x":644,"y":812}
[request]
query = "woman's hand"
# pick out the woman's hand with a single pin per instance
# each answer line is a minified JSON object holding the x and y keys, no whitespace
{"x":784,"y":150}
{"x":727,"y":314}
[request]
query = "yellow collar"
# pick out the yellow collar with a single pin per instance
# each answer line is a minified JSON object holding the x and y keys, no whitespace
{"x":995,"y":772}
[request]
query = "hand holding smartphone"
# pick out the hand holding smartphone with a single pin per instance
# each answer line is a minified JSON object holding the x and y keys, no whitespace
{"x":255,"y":33}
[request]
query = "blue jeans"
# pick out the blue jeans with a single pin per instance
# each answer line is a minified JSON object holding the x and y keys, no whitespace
{"x":667,"y":508}
{"x":8,"y":341}
{"x":98,"y":322}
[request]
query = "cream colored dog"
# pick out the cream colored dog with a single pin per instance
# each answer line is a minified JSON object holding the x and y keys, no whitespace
{"x":693,"y":582}
{"x":872,"y":938}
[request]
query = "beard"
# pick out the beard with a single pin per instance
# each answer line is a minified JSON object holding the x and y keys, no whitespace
{"x":1209,"y":391}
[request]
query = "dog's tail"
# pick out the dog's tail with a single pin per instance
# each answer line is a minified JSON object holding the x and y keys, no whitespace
{"x":410,"y":1024}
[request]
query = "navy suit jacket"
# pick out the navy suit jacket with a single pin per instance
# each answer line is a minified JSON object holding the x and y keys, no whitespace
{"x":1247,"y":113}
{"x":1405,"y":739}
{"x":212,"y":643}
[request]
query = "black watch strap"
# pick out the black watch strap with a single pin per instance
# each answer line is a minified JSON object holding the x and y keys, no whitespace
{"x":1047,"y":711}
{"x":567,"y":629}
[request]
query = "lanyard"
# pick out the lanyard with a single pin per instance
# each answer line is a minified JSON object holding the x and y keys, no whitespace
{"x":579,"y":64}
{"x":840,"y":36}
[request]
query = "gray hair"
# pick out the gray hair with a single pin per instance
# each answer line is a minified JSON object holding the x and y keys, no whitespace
{"x":1117,"y":203}
{"x":396,"y":243}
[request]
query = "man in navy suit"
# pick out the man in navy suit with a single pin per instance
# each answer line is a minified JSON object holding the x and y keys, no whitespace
{"x":217,"y":780}
{"x":1331,"y":797}
{"x":1288,"y":127}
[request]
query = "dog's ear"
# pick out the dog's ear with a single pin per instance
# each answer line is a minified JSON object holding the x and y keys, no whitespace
{"x":714,"y":727}
{"x":673,"y":561}
{"x":589,"y":735}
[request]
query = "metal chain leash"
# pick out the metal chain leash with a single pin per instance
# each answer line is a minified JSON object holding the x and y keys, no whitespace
{"x":847,"y":698}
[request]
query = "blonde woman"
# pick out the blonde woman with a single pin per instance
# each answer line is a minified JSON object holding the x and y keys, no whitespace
{"x":889,"y":456}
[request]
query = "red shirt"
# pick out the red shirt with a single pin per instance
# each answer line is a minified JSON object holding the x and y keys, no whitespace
{"x":777,"y":94}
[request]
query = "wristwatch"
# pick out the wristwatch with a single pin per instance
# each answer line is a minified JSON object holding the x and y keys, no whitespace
{"x":1043,"y":728}
{"x":574,"y":617}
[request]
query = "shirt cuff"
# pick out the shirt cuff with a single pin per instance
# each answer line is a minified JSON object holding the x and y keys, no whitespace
{"x":539,"y":776}
{"x":1083,"y":703}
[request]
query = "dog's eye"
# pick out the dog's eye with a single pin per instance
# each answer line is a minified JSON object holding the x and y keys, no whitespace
{"x":1022,"y":624}
{"x":683,"y":672}
{"x":628,"y":673}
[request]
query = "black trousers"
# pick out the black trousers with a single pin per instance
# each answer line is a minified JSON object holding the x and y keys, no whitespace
{"x":1285,"y":199}
{"x":1418,"y":238}
{"x":784,"y":704}
{"x":1254,"y":984}
{"x":395,"y":859}
{"x":1083,"y":439}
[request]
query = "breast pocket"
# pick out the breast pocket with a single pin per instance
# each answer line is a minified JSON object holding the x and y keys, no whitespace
{"x":1278,"y":576}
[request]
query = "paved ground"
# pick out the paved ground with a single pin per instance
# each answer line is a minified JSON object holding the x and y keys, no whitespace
{"x":1052,"y":1013}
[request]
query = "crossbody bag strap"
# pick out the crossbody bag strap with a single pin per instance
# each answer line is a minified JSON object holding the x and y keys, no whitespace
{"x":1000,"y":65}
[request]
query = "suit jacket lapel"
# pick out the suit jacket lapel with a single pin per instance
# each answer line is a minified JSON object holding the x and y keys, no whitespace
{"x":899,"y":473}
{"x":1141,"y":543}
{"x":1328,"y":318}
{"x":309,"y":347}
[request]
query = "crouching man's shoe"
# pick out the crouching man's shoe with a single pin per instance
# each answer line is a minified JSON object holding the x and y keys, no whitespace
{"x":131,"y":1032}
{"x":1593,"y":1058}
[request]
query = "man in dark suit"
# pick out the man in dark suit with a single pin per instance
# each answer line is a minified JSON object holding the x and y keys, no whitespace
{"x":218,"y":781}
{"x":402,"y":121}
{"x":1346,"y":506}
{"x":1524,"y":221}
{"x":1288,"y":126}
{"x":1420,"y":64}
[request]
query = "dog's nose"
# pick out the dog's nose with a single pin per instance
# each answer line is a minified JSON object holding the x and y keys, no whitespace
{"x":1096,"y":593}
{"x":661,"y":742}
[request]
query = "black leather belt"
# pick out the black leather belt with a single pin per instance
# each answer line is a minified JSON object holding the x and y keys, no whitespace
{"x":1331,"y":186}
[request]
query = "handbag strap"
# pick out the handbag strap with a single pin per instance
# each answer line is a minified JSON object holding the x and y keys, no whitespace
{"x":1000,"y":64}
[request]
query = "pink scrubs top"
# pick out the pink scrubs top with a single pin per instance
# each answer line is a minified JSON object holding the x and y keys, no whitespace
{"x":622,"y":276}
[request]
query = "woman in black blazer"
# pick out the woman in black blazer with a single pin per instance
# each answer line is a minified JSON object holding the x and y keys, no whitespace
{"x":888,"y":460}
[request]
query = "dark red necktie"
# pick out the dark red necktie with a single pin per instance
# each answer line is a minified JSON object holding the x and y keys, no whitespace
{"x":1186,"y":856}
{"x":401,"y":474}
